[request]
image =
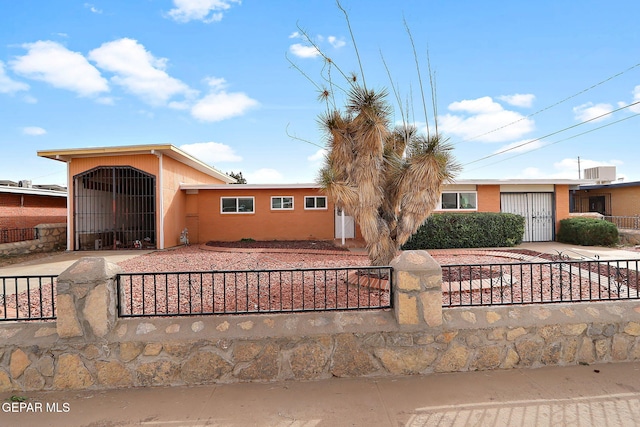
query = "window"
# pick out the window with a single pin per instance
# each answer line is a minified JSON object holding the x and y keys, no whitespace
{"x":459,"y":201}
{"x":236,"y":204}
{"x":281,"y":203}
{"x":312,"y":202}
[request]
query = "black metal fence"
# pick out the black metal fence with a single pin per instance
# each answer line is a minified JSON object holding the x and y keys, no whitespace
{"x":539,"y":282}
{"x":11,"y":235}
{"x":259,"y":291}
{"x":629,"y":222}
{"x":27,"y":298}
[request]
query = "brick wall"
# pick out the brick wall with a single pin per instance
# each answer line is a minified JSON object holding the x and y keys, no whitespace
{"x":26,"y":211}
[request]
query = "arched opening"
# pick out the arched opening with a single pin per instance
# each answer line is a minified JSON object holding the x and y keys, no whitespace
{"x":114,"y":208}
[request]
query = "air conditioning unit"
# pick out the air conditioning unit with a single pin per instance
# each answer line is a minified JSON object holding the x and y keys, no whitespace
{"x":601,"y":174}
{"x":26,"y":183}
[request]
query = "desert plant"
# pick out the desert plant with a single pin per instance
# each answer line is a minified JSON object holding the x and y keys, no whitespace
{"x":388,"y":178}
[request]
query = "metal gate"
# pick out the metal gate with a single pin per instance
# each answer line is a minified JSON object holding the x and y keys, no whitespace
{"x":537,"y":210}
{"x":114,"y":208}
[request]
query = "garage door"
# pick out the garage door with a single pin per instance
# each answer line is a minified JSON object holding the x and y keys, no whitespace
{"x":537,"y":210}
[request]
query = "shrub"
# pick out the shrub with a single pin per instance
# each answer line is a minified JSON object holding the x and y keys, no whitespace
{"x":468,"y":230}
{"x":587,"y":232}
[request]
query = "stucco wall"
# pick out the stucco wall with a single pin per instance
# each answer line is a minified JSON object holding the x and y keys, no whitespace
{"x":264,"y":223}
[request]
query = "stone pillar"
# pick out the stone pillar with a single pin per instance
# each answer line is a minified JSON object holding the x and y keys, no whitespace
{"x":86,"y":297}
{"x":417,"y":289}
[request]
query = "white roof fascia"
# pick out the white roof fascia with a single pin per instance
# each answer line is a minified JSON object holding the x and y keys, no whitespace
{"x":32,"y":191}
{"x":232,"y":187}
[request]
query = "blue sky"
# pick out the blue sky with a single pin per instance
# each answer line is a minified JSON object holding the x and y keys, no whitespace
{"x":212,"y":77}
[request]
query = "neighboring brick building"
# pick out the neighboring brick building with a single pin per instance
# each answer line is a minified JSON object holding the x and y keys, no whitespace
{"x":617,"y":199}
{"x":26,"y":207}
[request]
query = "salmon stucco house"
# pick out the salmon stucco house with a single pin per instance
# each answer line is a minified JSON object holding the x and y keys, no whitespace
{"x":144,"y":196}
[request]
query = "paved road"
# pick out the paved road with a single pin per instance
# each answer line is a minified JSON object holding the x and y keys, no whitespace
{"x":597,"y":395}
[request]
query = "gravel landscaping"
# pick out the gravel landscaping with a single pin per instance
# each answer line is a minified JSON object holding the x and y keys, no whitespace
{"x":260,"y":291}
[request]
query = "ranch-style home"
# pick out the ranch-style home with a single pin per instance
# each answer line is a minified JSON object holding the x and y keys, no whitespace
{"x":146,"y":195}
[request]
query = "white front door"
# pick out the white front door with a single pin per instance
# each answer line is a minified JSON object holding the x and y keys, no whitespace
{"x":349,"y":225}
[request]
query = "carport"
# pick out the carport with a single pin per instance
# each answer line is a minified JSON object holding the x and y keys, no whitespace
{"x":114,"y":208}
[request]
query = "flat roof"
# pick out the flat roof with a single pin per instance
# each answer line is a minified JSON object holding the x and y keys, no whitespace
{"x":64,"y":155}
{"x":570,"y":182}
{"x":610,"y":185}
{"x":32,"y":191}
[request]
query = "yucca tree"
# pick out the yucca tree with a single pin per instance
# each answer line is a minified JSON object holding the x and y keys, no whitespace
{"x":389,"y":179}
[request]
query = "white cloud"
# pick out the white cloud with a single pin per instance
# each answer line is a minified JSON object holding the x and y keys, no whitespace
{"x":335,"y":42}
{"x":485,"y":120}
{"x":318,"y":156}
{"x":106,"y":100}
{"x":306,"y":51}
{"x":216,"y":83}
{"x":30,"y":99}
{"x":518,"y":99}
{"x":33,"y":131}
{"x":92,"y":8}
{"x":303,"y":51}
{"x":206,"y":11}
{"x":590,"y":111}
{"x":138,"y":71}
{"x":264,"y":176}
{"x":520,"y":147}
{"x":53,"y":63}
{"x":220,"y":105}
{"x":7,"y":85}
{"x":211,"y":152}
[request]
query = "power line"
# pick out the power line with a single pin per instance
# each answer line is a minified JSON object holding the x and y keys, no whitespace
{"x":557,"y":142}
{"x":552,"y":105}
{"x":552,"y":133}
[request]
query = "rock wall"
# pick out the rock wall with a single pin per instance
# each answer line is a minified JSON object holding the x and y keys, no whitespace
{"x":98,"y":350}
{"x":50,"y":237}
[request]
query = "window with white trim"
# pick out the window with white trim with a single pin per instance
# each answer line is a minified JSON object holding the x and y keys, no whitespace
{"x":315,"y":202}
{"x":461,"y":201}
{"x":281,"y":203}
{"x":237,"y":205}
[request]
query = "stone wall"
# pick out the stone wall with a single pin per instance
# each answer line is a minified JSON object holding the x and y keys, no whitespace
{"x":90,"y":348}
{"x":50,"y":237}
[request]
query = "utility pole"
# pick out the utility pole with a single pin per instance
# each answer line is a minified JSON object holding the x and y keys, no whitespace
{"x":579,"y":173}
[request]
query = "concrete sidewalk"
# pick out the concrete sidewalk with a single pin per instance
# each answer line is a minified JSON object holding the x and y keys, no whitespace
{"x":580,"y":252}
{"x":596,"y":395}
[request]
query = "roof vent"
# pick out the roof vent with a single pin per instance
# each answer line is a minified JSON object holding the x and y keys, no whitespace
{"x":601,"y":174}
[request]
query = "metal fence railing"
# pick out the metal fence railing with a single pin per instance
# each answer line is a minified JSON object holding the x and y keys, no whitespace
{"x":628,"y":222}
{"x":27,"y":298}
{"x":539,"y":282}
{"x":259,"y":291}
{"x":11,"y":235}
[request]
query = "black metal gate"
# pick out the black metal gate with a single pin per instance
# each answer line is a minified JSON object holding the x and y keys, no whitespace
{"x":114,"y":208}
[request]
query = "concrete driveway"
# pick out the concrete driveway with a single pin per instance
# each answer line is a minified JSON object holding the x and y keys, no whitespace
{"x":56,"y":264}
